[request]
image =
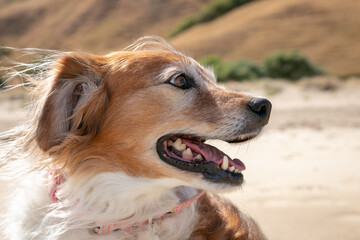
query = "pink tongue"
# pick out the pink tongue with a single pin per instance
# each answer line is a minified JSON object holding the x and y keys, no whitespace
{"x":238,"y":164}
{"x":213,"y":154}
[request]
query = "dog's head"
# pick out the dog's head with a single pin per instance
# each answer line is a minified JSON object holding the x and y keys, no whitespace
{"x":146,"y":113}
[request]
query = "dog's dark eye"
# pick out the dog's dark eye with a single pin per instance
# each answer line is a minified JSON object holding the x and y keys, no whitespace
{"x":180,"y":82}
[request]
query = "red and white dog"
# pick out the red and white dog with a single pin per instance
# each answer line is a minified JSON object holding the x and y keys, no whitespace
{"x":115,"y":149}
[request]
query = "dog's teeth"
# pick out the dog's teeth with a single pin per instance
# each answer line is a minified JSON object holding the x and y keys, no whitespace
{"x":232,"y":169}
{"x":177,"y":142}
{"x":199,"y":157}
{"x":187,"y":153}
{"x":236,"y":171}
{"x":225,"y":163}
{"x":178,"y":145}
{"x":170,"y":143}
{"x":182,"y":147}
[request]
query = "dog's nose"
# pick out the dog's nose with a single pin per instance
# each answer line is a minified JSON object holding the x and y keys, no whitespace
{"x":262,"y":108}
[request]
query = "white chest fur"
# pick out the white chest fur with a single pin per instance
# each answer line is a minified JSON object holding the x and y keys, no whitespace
{"x":107,"y":197}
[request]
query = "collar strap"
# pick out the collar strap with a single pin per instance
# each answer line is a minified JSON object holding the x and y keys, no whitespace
{"x":106,"y":229}
{"x":55,"y":179}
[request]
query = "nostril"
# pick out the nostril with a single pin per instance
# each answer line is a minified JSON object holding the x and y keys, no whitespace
{"x":262,"y":110}
{"x":261,"y":107}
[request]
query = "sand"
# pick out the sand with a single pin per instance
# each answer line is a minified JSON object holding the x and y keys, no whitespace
{"x":302,"y":174}
{"x":302,"y":177}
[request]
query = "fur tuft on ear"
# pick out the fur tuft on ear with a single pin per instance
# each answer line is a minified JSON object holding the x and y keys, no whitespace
{"x":77,"y":100}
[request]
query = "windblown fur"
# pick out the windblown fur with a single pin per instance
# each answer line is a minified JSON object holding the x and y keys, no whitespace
{"x":97,"y":119}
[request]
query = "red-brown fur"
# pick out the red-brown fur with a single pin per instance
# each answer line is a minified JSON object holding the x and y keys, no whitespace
{"x":222,"y":220}
{"x":126,"y":110}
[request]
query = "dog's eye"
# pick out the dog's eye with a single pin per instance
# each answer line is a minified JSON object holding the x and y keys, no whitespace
{"x":180,"y":82}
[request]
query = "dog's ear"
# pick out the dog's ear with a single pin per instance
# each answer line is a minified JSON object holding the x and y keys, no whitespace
{"x":76,"y":102}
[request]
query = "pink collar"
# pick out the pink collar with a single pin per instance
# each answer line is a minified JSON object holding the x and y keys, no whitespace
{"x":55,"y":180}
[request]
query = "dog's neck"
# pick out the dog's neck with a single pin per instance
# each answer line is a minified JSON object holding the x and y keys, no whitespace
{"x":113,"y":197}
{"x":184,"y":202}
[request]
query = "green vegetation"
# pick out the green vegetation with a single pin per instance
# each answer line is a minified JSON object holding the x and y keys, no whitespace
{"x":4,"y":52}
{"x":211,"y":11}
{"x":240,"y":70}
{"x":288,"y":64}
{"x":221,"y":69}
{"x":245,"y":70}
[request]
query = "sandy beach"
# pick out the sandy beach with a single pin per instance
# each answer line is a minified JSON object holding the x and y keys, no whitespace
{"x":302,"y":174}
{"x":302,"y":177}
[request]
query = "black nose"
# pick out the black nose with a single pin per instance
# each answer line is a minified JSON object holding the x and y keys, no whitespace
{"x":261,"y":107}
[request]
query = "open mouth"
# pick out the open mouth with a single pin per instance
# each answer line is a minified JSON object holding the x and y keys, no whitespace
{"x":190,"y":153}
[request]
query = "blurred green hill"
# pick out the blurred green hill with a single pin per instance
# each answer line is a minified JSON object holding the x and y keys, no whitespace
{"x":327,"y":31}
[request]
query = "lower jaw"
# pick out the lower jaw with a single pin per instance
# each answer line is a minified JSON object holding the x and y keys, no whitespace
{"x":209,"y":170}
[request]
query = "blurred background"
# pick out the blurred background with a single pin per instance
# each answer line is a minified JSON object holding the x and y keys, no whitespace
{"x":302,"y":177}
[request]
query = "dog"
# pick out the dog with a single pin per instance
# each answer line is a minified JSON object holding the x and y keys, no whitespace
{"x":114,"y":148}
